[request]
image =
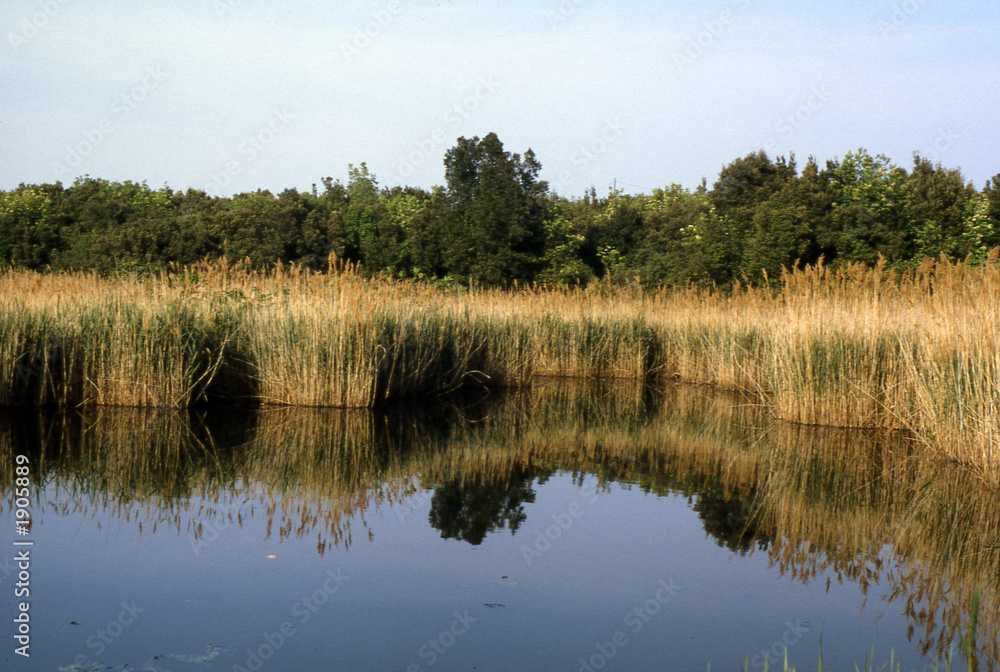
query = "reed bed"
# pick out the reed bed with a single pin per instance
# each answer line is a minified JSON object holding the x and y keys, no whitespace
{"x":852,"y":347}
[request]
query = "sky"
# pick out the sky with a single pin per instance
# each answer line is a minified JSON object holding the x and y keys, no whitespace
{"x":230,"y":96}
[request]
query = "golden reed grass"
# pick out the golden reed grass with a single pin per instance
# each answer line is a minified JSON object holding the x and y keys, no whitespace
{"x":851,"y":347}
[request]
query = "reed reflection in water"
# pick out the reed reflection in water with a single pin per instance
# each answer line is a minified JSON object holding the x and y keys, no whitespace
{"x":850,"y":506}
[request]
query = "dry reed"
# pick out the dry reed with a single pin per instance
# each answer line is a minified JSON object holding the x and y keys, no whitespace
{"x":852,"y":347}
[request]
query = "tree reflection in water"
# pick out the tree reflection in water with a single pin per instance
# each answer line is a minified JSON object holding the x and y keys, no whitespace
{"x":470,"y":508}
{"x":731,"y":521}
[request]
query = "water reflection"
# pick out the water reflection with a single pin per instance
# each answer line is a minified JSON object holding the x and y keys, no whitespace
{"x":468,"y":509}
{"x":856,"y":506}
{"x":731,"y":521}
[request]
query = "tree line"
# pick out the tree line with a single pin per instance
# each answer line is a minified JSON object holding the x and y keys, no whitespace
{"x":496,"y":223}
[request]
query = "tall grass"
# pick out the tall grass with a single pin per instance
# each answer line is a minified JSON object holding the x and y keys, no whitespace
{"x":854,"y":347}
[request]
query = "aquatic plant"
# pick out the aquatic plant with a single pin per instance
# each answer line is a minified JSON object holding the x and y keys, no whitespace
{"x":854,"y":347}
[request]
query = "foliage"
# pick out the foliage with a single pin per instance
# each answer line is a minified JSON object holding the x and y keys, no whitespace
{"x":493,"y":227}
{"x":495,"y":223}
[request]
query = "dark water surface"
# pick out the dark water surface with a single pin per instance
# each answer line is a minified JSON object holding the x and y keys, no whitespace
{"x":565,"y":528}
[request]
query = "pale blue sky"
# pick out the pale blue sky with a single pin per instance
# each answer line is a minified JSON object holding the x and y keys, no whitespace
{"x":236,"y":95}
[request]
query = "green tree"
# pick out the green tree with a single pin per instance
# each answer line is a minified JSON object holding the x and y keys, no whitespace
{"x":869,"y":213}
{"x":583,"y":215}
{"x":402,"y":208}
{"x":978,"y":233}
{"x":991,"y":192}
{"x":674,"y":249}
{"x":115,"y":226}
{"x":742,"y":188}
{"x":941,"y":210}
{"x":252,"y":228}
{"x":564,"y":241}
{"x":30,"y":225}
{"x":195,"y":237}
{"x":618,"y":232}
{"x":494,"y":232}
{"x":788,"y":225}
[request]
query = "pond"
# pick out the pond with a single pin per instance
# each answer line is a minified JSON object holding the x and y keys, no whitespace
{"x":566,"y":527}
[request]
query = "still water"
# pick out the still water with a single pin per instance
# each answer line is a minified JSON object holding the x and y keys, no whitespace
{"x":600,"y":527}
